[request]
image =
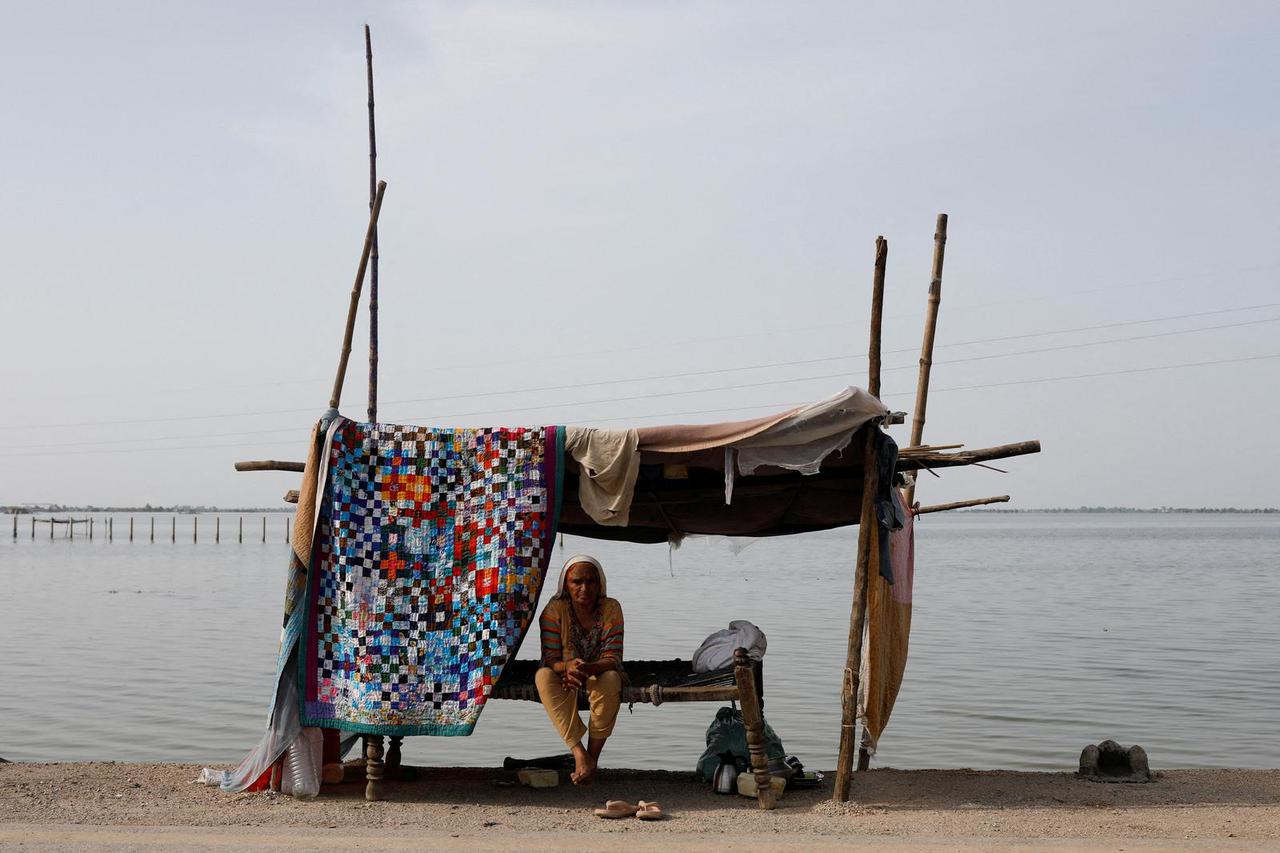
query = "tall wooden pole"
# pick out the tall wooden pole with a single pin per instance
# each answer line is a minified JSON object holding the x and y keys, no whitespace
{"x":867,"y":532}
{"x":336,"y":397}
{"x":373,"y":258}
{"x":873,"y":386}
{"x":877,"y":311}
{"x":926,"y":348}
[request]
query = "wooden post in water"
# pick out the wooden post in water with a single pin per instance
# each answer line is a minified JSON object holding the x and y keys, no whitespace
{"x":131,"y":528}
{"x":867,"y":536}
{"x":90,"y":528}
{"x":71,"y":528}
{"x":217,"y":529}
{"x":173,"y":529}
{"x":241,"y":536}
{"x":264,"y":530}
{"x":15,"y":525}
{"x":926,"y":348}
{"x":153,"y":528}
{"x":195,"y":529}
{"x":286,"y":528}
{"x":111,"y":529}
{"x":33,"y":528}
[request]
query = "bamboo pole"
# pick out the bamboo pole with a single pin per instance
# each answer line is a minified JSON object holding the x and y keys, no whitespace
{"x":271,"y":465}
{"x":877,"y":311}
{"x":931,"y":459}
{"x":873,"y":387}
{"x":369,"y":233}
{"x":373,"y":258}
{"x":867,"y":533}
{"x":857,"y":622}
{"x":930,"y":328}
{"x":999,"y":499}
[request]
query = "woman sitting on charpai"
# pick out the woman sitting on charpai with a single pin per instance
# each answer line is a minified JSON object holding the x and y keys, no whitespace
{"x":582,"y":650}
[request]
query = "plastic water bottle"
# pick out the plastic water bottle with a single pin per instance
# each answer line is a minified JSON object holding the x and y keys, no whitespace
{"x":302,"y":764}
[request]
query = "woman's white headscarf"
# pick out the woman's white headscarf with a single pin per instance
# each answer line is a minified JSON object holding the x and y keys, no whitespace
{"x":561,"y":592}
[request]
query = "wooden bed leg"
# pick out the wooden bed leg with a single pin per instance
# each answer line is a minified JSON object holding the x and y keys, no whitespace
{"x":373,"y":767}
{"x":864,"y":753}
{"x":753,"y":720}
{"x":393,"y":756}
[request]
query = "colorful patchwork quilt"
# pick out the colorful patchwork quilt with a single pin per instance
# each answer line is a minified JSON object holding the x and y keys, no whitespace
{"x":430,"y":550}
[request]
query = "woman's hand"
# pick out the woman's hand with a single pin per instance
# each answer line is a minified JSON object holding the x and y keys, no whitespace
{"x":574,"y":673}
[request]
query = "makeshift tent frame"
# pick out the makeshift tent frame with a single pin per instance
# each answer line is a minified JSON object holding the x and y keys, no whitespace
{"x":682,"y":480}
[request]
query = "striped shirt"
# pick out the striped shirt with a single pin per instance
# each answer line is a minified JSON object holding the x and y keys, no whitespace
{"x":563,"y":639}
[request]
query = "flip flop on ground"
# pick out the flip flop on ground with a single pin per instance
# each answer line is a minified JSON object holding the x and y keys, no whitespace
{"x":649,"y":811}
{"x":614,"y":809}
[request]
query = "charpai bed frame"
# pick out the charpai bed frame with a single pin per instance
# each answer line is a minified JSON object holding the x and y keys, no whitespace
{"x":652,"y":682}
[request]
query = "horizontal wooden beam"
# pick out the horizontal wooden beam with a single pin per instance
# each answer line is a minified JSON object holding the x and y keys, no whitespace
{"x":999,"y":499}
{"x":911,"y":461}
{"x":271,"y":465}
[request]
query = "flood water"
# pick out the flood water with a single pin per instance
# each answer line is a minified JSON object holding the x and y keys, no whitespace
{"x":1033,"y":635}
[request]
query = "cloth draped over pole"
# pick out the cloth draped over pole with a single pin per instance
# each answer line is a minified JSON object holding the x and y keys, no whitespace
{"x":884,"y":659}
{"x":283,"y":723}
{"x":431,"y":547}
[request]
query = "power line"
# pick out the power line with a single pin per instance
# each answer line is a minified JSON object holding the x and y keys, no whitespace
{"x":1095,"y":375}
{"x":692,"y":373}
{"x":772,"y":406}
{"x":711,"y":372}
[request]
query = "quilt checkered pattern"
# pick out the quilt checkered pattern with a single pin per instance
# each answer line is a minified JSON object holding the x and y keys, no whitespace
{"x":430,"y":550}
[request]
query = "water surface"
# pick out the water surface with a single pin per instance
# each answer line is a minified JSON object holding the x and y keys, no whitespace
{"x":1033,"y":635}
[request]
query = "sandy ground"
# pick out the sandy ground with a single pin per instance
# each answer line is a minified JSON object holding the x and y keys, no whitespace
{"x":111,"y":806}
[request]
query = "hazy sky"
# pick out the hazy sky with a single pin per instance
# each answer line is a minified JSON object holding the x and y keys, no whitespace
{"x":601,"y":195}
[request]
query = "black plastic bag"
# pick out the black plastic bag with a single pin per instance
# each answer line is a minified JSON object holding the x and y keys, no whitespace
{"x":727,"y":734}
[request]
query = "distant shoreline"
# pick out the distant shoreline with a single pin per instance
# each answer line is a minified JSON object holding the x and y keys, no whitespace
{"x":29,"y":509}
{"x":1164,"y":510}
{"x":25,"y":509}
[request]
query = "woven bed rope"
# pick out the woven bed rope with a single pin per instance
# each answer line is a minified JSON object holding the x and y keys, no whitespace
{"x":430,"y":552}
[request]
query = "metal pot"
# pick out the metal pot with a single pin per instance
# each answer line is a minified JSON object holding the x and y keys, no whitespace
{"x":726,"y":781}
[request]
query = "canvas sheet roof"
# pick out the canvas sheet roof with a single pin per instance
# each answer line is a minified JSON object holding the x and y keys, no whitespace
{"x":791,"y":472}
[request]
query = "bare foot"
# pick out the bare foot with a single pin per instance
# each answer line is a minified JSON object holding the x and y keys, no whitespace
{"x":584,"y":768}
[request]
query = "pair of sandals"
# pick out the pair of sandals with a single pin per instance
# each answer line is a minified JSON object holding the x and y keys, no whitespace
{"x":644,"y":810}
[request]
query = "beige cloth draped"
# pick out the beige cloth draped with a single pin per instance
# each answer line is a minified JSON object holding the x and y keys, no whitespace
{"x":609,"y":460}
{"x":884,"y":658}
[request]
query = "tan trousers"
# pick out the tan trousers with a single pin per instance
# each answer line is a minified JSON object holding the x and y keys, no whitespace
{"x":604,"y":693}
